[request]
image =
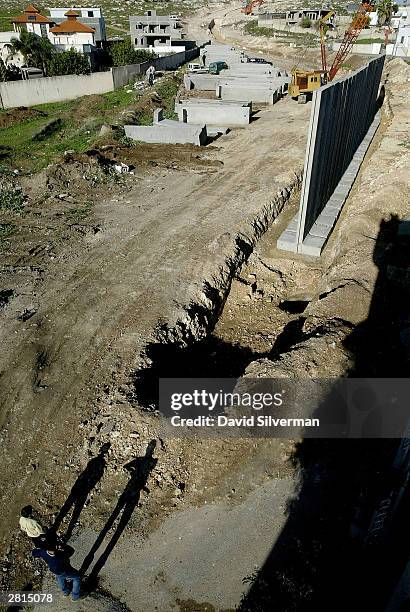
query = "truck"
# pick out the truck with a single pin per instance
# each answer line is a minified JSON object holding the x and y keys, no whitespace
{"x":217,"y":67}
{"x":197,"y":68}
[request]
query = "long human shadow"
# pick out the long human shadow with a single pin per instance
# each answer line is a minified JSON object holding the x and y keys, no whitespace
{"x":139,"y":470}
{"x":324,"y":558}
{"x":80,"y":491}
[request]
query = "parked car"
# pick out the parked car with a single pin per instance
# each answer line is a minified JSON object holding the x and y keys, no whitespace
{"x":198,"y":68}
{"x":217,"y":67}
{"x":258,"y":60}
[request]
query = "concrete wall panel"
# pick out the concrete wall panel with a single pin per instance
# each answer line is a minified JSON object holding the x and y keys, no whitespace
{"x":257,"y":93}
{"x":53,"y":89}
{"x":168,"y":133}
{"x":57,"y":89}
{"x":342,"y":116}
{"x":216,"y":113}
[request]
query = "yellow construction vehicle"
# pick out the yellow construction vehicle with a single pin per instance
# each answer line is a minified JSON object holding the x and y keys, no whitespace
{"x":305,"y":81}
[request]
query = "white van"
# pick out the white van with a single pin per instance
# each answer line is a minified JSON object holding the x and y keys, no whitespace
{"x":198,"y":68}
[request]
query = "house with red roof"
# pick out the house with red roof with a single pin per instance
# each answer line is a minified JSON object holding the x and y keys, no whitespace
{"x":32,"y":21}
{"x":72,"y":34}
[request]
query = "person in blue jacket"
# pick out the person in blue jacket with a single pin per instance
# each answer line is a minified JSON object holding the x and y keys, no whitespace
{"x":58,"y":561}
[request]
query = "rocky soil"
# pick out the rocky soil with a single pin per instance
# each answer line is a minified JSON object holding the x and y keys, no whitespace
{"x":175,"y":272}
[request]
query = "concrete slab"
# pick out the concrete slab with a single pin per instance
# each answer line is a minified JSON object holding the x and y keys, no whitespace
{"x":219,"y":112}
{"x":168,"y":134}
{"x":287,"y":241}
{"x":321,"y":230}
{"x":257,"y":94}
{"x":312,"y":245}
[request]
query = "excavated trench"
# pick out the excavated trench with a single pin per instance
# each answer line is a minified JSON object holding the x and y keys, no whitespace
{"x":190,"y":348}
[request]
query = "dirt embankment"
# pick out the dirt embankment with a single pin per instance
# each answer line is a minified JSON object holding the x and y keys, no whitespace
{"x":19,"y":115}
{"x":102,"y":270}
{"x":329,"y":316}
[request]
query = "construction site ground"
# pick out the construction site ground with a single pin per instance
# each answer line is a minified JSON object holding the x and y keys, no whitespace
{"x":109,"y":282}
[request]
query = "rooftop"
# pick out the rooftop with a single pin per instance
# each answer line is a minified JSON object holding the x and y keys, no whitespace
{"x":71,"y":25}
{"x":31,"y":15}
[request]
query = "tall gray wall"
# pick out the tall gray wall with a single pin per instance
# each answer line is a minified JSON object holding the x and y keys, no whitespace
{"x":341,"y":115}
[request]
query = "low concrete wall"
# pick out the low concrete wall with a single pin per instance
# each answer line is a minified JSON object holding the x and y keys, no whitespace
{"x":122,"y":75}
{"x":214,"y":112}
{"x":397,"y":50}
{"x":209,"y":82}
{"x":58,"y":89}
{"x":251,"y":94}
{"x":252,"y":69}
{"x":202,"y":82}
{"x":258,"y":81}
{"x":368,"y":49}
{"x":53,"y":89}
{"x":168,"y":133}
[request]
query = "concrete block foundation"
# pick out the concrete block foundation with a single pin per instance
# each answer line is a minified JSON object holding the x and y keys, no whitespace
{"x":319,"y":233}
{"x":214,"y":112}
{"x":253,"y":94}
{"x":168,"y":132}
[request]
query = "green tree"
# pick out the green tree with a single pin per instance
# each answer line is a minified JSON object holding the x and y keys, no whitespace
{"x":385,"y":10}
{"x":68,"y":62}
{"x":305,"y":22}
{"x":36,"y":50}
{"x":123,"y":53}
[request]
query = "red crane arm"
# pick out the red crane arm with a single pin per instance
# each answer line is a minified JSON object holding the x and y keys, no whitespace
{"x":358,"y":23}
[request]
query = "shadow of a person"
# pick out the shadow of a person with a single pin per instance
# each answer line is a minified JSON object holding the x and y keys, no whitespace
{"x":139,"y":470}
{"x":82,"y":487}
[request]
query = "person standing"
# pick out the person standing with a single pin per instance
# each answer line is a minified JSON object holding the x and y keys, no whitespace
{"x":58,"y":562}
{"x":31,"y":527}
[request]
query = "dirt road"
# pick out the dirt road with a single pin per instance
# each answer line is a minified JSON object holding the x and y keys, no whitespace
{"x":97,"y":307}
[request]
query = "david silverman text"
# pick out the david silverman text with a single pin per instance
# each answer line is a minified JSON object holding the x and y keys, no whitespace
{"x":250,"y":421}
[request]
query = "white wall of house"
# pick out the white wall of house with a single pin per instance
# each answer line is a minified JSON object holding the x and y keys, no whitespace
{"x":41,"y":29}
{"x":75,"y":40}
{"x":401,"y":48}
{"x":82,"y":11}
{"x":373,"y":18}
{"x":401,"y":17}
{"x":165,"y":49}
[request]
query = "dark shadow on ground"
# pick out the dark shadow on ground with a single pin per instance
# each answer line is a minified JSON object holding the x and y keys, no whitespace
{"x":209,"y":358}
{"x":139,"y":470}
{"x":325,"y":557}
{"x":80,"y":491}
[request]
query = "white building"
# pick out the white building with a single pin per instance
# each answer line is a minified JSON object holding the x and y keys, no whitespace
{"x":91,"y":16}
{"x":400,"y":17}
{"x":159,"y":33}
{"x":32,"y":21}
{"x":400,"y":48}
{"x":72,"y":34}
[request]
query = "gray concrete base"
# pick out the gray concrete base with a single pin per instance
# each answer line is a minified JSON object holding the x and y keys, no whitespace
{"x":213,"y":112}
{"x":166,"y":131}
{"x":315,"y":241}
{"x":259,"y":94}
